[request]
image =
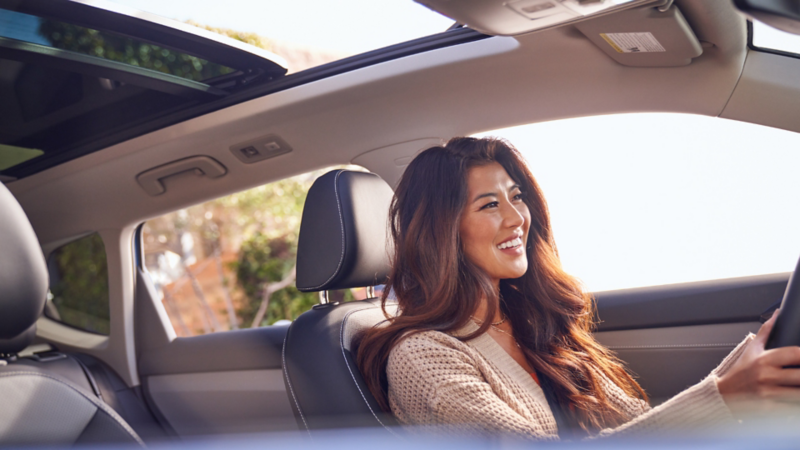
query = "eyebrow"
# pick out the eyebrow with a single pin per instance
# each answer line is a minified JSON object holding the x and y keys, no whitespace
{"x":493,"y":194}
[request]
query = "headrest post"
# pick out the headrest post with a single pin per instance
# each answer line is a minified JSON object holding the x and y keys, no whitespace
{"x":323,"y":297}
{"x":370,"y":291}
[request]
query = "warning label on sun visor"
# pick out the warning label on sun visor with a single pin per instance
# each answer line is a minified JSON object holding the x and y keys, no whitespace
{"x":633,"y":42}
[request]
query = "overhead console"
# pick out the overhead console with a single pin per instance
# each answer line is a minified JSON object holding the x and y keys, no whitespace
{"x":639,"y":33}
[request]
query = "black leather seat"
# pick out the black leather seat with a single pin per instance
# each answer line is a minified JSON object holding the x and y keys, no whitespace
{"x":47,"y":398}
{"x":342,"y":244}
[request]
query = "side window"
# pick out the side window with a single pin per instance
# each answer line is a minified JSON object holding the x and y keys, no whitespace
{"x":650,"y":199}
{"x":78,"y":293}
{"x":229,"y":263}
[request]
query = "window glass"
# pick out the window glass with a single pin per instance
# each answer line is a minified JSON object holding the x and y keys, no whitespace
{"x":766,"y":37}
{"x":78,"y":293}
{"x":100,"y":44}
{"x":651,"y":199}
{"x":230,"y":263}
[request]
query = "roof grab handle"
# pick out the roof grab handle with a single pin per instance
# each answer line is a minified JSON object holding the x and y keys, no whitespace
{"x":152,"y":180}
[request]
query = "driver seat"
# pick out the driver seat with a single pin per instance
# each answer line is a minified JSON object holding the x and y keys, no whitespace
{"x":342,"y":245}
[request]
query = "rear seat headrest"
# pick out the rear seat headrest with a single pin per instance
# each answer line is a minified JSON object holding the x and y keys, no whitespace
{"x":23,"y":272}
{"x":343,"y":233}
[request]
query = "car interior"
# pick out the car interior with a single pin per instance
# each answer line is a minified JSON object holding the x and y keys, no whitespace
{"x":129,"y":146}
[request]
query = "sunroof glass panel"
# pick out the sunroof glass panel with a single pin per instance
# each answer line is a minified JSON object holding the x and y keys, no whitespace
{"x":109,"y":46}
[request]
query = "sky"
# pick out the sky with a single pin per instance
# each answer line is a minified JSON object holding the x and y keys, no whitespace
{"x":711,"y":199}
{"x":349,"y":26}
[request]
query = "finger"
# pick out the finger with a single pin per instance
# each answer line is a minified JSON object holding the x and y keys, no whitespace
{"x":782,"y":394}
{"x":782,"y":357}
{"x":766,"y":329}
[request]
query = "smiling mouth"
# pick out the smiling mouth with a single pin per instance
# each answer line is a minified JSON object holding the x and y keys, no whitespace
{"x":513,"y":243}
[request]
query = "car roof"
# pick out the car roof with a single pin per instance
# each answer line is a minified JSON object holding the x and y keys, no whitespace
{"x":380,"y":114}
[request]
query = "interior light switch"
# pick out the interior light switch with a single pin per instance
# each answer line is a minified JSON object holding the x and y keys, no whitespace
{"x":249,"y":152}
{"x":272,"y":146}
{"x":260,"y":149}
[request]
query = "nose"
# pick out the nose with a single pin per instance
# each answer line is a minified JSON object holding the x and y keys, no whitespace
{"x":512,"y":217}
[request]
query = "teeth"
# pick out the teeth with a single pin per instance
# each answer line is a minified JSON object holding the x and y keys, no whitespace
{"x":509,"y":244}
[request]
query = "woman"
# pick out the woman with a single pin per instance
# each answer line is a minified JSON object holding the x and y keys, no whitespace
{"x":492,"y":335}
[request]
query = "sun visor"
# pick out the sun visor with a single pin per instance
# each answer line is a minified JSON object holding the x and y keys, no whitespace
{"x":644,"y":37}
{"x":509,"y":18}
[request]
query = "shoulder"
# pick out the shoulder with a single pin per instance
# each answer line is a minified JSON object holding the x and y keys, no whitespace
{"x":426,"y":343}
{"x":429,"y":351}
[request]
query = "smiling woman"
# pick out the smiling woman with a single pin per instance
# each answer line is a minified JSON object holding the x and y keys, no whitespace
{"x":454,"y":206}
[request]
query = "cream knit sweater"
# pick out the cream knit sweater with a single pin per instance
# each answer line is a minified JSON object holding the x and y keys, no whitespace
{"x":475,"y":387}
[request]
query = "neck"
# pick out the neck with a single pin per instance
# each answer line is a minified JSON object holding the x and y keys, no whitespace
{"x":483,"y":306}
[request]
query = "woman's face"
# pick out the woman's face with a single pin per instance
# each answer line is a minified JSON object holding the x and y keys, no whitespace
{"x":495,"y":223}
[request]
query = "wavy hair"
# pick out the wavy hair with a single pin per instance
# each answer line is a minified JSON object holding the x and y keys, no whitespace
{"x":438,"y":288}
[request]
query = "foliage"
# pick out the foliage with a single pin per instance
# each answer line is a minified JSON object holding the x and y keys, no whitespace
{"x":126,"y":50}
{"x":260,"y":226}
{"x":269,"y":260}
{"x":242,"y":36}
{"x":79,"y":284}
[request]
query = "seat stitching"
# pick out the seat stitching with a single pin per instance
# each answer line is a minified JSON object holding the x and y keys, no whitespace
{"x":100,"y":405}
{"x":341,"y":344}
{"x":341,"y":227}
{"x":289,"y":383}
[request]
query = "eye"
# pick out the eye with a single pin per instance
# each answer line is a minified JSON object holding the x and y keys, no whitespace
{"x":489,"y":205}
{"x":519,"y":196}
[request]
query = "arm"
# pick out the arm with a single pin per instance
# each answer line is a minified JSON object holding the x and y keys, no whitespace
{"x":701,"y":406}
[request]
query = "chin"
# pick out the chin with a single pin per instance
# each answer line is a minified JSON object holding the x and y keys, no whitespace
{"x":515,"y":274}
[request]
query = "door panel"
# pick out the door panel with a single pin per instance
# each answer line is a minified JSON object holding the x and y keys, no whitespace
{"x":666,"y":361}
{"x":717,"y":301}
{"x":225,"y":382}
{"x":245,"y":401}
{"x":671,"y":337}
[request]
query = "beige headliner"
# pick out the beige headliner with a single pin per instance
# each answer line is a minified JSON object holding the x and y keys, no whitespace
{"x":459,"y":90}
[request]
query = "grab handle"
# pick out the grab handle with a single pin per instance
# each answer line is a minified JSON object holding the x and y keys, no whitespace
{"x":152,"y":180}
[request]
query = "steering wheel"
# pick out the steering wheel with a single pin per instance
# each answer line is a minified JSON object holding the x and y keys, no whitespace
{"x":786,"y":331}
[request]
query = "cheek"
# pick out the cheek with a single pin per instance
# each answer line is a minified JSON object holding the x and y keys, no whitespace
{"x":474,"y":238}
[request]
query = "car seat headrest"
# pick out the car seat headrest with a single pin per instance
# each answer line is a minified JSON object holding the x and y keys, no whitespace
{"x":23,"y":272}
{"x":343,"y":233}
{"x":19,"y":342}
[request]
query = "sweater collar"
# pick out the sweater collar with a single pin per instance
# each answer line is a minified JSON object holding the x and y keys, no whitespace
{"x":493,"y":352}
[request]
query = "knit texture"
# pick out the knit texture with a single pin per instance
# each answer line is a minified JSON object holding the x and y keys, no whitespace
{"x":475,"y":387}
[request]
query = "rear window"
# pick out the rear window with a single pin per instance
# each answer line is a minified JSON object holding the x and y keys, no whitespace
{"x":229,"y":263}
{"x":78,"y":294}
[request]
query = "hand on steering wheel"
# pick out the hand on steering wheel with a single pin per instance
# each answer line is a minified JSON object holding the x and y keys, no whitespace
{"x":760,"y":381}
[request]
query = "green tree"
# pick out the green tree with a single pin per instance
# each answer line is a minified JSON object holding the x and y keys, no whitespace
{"x":126,"y":50}
{"x":265,"y":271}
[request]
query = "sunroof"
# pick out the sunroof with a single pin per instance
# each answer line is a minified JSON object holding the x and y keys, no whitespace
{"x":768,"y":38}
{"x":86,"y":41}
{"x":72,"y":74}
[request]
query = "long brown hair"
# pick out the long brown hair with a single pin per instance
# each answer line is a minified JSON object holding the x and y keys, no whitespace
{"x":438,"y":288}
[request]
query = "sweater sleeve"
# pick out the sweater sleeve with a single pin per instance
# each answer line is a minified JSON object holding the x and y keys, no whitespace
{"x":698,"y":406}
{"x":439,"y":386}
